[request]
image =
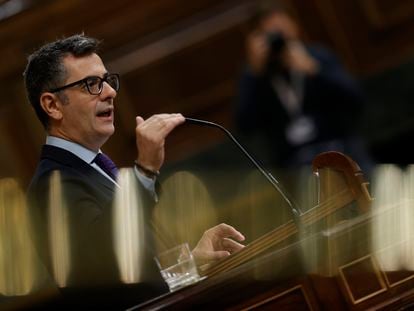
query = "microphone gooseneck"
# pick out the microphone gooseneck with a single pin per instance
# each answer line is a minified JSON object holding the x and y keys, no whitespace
{"x":273,"y":181}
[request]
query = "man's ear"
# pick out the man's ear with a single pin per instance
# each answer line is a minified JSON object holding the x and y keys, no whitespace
{"x":51,"y":105}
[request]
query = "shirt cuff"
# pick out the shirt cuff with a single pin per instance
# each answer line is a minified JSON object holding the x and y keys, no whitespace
{"x":147,"y":182}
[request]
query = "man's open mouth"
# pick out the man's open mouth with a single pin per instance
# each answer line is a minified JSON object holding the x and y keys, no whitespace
{"x":105,"y":113}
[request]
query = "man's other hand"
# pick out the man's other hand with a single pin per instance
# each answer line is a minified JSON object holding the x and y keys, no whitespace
{"x":216,"y":243}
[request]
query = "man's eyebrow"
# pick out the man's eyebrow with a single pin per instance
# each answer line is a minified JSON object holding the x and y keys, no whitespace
{"x":106,"y":73}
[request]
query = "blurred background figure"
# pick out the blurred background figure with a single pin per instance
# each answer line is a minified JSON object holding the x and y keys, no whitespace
{"x":296,"y":98}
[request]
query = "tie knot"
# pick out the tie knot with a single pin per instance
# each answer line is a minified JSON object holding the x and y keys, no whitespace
{"x":107,"y":165}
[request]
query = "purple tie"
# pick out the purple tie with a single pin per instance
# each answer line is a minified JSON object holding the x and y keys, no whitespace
{"x":106,"y":164}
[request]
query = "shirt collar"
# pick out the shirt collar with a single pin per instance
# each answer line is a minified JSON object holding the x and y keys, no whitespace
{"x":78,"y":150}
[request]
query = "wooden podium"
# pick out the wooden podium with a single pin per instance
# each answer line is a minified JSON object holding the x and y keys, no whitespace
{"x":329,"y":265}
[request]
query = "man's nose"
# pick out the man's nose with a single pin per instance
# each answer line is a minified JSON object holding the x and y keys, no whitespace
{"x":108,"y":91}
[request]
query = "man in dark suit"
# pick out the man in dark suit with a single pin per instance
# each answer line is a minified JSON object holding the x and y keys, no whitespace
{"x":73,"y":96}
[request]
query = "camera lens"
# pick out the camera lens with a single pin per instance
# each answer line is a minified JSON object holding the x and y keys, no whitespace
{"x":276,"y":42}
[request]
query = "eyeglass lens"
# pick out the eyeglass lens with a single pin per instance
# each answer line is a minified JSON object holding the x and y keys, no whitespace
{"x":95,"y":84}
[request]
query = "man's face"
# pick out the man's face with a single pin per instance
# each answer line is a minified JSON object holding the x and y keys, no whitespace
{"x":86,"y":119}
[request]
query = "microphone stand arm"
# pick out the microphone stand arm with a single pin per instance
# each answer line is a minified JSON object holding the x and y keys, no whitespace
{"x":273,"y":181}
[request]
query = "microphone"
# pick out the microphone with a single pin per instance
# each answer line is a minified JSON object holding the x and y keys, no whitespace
{"x":273,"y":181}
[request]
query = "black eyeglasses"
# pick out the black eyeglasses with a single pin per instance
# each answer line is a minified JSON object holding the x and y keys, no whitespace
{"x":94,"y":84}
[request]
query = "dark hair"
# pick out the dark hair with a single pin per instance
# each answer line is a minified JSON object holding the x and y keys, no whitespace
{"x":45,"y":69}
{"x":265,"y":8}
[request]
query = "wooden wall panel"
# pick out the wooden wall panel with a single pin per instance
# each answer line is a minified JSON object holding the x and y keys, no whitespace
{"x":382,"y":13}
{"x":370,"y":35}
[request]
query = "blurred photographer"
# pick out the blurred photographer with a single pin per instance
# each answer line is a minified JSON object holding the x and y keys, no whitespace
{"x":297,"y":98}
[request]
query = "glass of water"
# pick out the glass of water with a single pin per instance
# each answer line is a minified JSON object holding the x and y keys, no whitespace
{"x":177,"y":266}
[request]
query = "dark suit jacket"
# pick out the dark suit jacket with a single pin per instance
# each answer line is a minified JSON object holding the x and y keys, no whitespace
{"x":88,"y":196}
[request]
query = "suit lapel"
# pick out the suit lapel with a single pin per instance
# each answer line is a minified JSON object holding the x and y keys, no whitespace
{"x":69,"y":159}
